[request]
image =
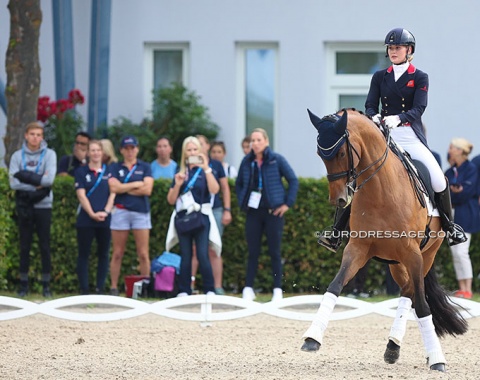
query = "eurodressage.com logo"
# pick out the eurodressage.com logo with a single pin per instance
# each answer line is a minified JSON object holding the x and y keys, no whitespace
{"x":382,"y":234}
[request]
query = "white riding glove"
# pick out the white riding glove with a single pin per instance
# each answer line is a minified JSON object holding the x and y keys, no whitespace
{"x":392,"y":121}
{"x":377,"y":118}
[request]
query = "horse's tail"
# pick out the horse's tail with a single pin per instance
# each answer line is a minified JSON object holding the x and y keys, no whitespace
{"x":445,"y":315}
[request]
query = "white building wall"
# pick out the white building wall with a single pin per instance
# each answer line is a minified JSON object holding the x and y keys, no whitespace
{"x":446,"y":50}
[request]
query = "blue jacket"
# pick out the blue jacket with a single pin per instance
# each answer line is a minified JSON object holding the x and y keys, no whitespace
{"x":407,"y":97}
{"x":273,"y":169}
{"x":465,"y":203}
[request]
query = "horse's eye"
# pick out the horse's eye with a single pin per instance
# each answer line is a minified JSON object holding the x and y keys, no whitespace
{"x":342,"y":154}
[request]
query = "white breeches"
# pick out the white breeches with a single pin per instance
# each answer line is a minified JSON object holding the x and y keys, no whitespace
{"x":408,"y":140}
{"x":461,"y":259}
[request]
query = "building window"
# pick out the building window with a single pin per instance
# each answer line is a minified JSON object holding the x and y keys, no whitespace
{"x":349,"y":71}
{"x":258,"y":87}
{"x":165,"y":63}
{"x":167,"y":68}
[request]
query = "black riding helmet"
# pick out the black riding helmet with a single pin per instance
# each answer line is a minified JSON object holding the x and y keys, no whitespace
{"x":399,"y":36}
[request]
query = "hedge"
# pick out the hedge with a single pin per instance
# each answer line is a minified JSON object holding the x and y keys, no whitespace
{"x":308,"y":268}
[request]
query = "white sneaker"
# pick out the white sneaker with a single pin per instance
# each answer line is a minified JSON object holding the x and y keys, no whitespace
{"x":277,"y":294}
{"x":183,"y":294}
{"x":248,"y":293}
{"x":210,"y":293}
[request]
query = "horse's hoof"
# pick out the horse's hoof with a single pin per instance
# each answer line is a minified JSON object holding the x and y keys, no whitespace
{"x":392,"y":353}
{"x":438,"y":367}
{"x":310,"y":345}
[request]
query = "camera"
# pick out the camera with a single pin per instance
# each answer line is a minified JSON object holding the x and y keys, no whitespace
{"x":195,"y":160}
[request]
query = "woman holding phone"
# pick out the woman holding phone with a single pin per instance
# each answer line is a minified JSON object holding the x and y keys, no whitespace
{"x":190,"y":190}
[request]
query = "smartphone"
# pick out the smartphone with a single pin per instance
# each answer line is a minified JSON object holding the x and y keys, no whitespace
{"x":195,"y":160}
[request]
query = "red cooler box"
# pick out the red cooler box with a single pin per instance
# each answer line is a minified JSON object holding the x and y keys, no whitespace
{"x":130,"y":280}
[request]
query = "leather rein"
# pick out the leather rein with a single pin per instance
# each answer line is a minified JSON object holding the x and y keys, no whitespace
{"x":351,"y":173}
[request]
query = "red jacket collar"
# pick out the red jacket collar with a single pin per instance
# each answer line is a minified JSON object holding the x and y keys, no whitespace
{"x":411,"y":69}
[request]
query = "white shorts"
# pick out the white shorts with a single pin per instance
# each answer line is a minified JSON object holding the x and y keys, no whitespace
{"x":408,"y":140}
{"x":125,"y":220}
{"x":461,"y":259}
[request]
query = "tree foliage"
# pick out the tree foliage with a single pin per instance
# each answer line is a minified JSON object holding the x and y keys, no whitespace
{"x":177,"y":113}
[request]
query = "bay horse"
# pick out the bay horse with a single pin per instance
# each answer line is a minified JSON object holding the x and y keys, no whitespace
{"x":363,"y":171}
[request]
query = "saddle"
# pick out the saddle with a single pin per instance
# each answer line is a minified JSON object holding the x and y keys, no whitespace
{"x":418,"y":174}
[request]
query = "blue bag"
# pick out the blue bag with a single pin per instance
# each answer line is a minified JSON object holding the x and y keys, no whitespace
{"x":166,"y":259}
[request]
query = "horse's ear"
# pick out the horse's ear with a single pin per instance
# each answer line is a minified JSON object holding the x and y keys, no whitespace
{"x":314,"y":119}
{"x":341,"y":125}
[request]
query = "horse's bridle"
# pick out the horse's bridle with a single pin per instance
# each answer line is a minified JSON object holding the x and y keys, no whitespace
{"x":351,"y":173}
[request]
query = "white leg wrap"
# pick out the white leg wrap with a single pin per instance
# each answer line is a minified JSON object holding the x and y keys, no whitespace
{"x":320,"y":321}
{"x":431,"y":342}
{"x":399,"y":327}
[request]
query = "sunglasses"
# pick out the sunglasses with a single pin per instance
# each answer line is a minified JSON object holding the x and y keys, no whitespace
{"x":81,"y":143}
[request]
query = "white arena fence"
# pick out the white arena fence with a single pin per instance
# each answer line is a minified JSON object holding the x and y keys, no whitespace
{"x":202,"y":308}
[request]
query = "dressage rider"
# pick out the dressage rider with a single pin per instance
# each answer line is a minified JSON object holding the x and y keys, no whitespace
{"x":402,"y":90}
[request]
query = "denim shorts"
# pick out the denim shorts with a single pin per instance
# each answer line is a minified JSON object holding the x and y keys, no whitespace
{"x":125,"y":220}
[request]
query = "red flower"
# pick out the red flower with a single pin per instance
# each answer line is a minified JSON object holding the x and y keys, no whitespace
{"x":76,"y":97}
{"x":46,"y":108}
{"x":63,"y":105}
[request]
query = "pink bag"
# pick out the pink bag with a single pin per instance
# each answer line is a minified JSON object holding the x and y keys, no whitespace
{"x":165,"y":279}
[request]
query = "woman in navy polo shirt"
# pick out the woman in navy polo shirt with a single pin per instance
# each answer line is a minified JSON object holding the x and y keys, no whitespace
{"x":132,"y":182}
{"x":261,"y":193}
{"x":194,"y":180}
{"x":93,"y":219}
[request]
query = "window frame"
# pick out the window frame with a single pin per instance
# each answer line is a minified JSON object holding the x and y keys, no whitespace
{"x":240,"y":49}
{"x":149,"y":67}
{"x":347,"y":84}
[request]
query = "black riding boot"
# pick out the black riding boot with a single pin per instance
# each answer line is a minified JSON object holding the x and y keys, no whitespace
{"x":331,"y":239}
{"x":455,"y":233}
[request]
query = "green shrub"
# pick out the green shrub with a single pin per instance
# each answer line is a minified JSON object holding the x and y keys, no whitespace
{"x":177,"y":113}
{"x":308,"y":268}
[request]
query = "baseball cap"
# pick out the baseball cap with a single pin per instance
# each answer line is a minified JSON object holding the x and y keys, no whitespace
{"x":128,"y":140}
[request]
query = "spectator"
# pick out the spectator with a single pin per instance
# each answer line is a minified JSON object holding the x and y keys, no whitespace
{"x":164,"y":166}
{"x":69,"y":163}
{"x":223,"y":217}
{"x":218,"y":152}
{"x":191,"y":189}
{"x":32,"y":172}
{"x":246,"y":147}
{"x":109,"y":155}
{"x":463,"y":178}
{"x":476,"y":160}
{"x":93,"y":218}
{"x":261,"y":193}
{"x":132,"y":182}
